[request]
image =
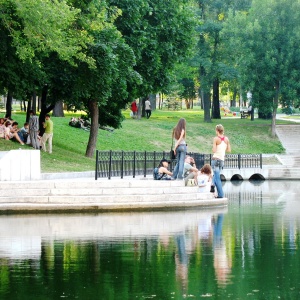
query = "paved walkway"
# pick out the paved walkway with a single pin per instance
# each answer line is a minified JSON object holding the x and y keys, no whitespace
{"x":289,"y":137}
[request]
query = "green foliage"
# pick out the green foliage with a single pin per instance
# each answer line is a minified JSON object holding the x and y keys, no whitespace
{"x":43,"y":26}
{"x":265,"y":47}
{"x":160,"y":33}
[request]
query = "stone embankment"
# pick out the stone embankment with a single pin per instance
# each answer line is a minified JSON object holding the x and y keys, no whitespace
{"x":101,"y":195}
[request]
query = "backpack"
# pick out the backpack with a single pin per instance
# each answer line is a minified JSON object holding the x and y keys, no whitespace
{"x":156,"y":175}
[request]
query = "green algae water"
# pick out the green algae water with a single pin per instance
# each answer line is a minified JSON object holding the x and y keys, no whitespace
{"x":248,"y":250}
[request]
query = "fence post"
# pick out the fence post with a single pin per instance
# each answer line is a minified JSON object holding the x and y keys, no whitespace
{"x":145,"y":162}
{"x":122,"y":164}
{"x":96,"y":170}
{"x":260,"y":158}
{"x":154,"y":159}
{"x":109,"y":165}
{"x":133,"y":164}
{"x":239,"y":161}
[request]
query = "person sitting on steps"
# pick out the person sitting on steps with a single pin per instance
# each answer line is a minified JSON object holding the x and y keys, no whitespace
{"x":162,"y":172}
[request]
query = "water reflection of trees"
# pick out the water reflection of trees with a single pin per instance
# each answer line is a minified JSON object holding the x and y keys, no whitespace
{"x":251,"y":250}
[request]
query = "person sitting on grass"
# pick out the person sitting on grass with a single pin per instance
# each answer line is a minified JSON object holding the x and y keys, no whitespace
{"x":2,"y":128}
{"x":11,"y":132}
{"x":24,"y":132}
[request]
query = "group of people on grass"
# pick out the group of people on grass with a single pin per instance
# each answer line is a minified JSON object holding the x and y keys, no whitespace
{"x":208,"y":177}
{"x":29,"y":134}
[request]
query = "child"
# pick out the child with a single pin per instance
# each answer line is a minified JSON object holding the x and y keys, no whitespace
{"x":204,"y":179}
{"x":24,"y":132}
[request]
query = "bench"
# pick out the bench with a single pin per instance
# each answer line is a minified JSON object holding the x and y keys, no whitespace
{"x":245,"y":114}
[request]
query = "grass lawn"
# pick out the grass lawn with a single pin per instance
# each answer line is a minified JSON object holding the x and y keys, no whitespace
{"x":154,"y":134}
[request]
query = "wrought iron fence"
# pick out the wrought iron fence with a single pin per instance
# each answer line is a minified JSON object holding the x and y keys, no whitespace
{"x":131,"y":163}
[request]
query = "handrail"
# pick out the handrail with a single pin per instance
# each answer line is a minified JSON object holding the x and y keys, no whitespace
{"x":131,"y":163}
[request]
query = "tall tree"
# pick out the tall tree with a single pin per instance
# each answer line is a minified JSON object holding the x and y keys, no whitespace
{"x":267,"y":51}
{"x":211,"y":55}
{"x":160,"y":34}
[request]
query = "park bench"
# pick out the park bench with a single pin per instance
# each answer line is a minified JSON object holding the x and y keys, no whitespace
{"x":244,"y":113}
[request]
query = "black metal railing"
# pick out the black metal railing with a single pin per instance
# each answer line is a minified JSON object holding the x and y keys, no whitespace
{"x":131,"y":163}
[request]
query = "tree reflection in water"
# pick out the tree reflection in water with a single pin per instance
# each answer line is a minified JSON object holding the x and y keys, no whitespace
{"x":247,"y":249}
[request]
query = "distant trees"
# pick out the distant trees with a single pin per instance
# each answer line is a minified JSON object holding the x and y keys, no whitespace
{"x":265,"y":46}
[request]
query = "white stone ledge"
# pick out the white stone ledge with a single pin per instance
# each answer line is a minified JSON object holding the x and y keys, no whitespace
{"x":20,"y":165}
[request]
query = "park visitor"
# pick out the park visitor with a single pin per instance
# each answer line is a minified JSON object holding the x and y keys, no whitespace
{"x":148,"y":108}
{"x":220,"y":146}
{"x":162,"y":172}
{"x":48,"y":134}
{"x":34,"y":129}
{"x":190,"y":171}
{"x":204,"y":179}
{"x":134,"y":109}
{"x":180,"y":149}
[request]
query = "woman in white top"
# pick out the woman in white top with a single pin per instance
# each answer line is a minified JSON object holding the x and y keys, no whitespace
{"x":220,"y":146}
{"x":179,"y":134}
{"x":204,"y":179}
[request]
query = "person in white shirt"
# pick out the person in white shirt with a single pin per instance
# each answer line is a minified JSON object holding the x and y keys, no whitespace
{"x":204,"y":179}
{"x":148,"y":108}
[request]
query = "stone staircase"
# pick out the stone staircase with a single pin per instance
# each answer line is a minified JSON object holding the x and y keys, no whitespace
{"x":289,"y":137}
{"x":101,"y":195}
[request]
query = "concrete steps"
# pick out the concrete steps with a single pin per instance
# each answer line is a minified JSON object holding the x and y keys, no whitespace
{"x":116,"y":194}
{"x":289,"y":137}
{"x":290,"y":160}
{"x":284,"y":173}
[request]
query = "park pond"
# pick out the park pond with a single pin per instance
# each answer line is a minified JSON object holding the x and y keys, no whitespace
{"x":248,"y":250}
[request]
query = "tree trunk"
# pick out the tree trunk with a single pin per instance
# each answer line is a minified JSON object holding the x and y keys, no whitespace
{"x":142,"y":101}
{"x":44,"y":108}
{"x":187,"y":104}
{"x":216,"y":100}
{"x":275,"y":106}
{"x":152,"y":99}
{"x":94,"y":113}
{"x":34,"y":101}
{"x":8,"y":105}
{"x":205,"y":94}
{"x":206,"y":106}
{"x":28,"y":108}
{"x":58,"y":110}
{"x":233,"y":104}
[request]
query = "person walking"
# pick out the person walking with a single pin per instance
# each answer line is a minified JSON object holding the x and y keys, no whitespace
{"x":221,"y":145}
{"x":134,"y":109}
{"x":48,"y":134}
{"x":34,"y":129}
{"x":148,"y":108}
{"x":179,"y":134}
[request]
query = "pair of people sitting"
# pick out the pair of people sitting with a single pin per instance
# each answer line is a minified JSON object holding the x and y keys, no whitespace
{"x":202,"y":177}
{"x":10,"y":131}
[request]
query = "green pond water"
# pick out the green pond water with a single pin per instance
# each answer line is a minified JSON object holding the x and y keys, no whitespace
{"x":248,"y":250}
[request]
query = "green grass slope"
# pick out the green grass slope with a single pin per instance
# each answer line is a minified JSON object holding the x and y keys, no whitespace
{"x":154,"y":134}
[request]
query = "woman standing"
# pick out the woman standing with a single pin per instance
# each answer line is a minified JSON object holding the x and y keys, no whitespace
{"x":179,"y":134}
{"x":220,"y":146}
